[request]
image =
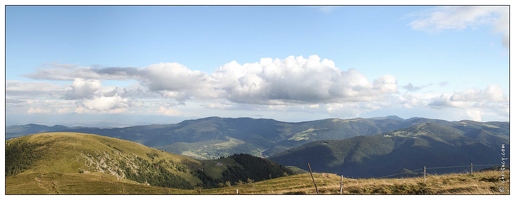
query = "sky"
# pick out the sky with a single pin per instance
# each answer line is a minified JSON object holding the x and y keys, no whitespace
{"x":116,"y":66}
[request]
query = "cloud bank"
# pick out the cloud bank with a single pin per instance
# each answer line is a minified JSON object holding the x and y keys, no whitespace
{"x":475,"y":102}
{"x":294,"y":80}
{"x":292,"y":84}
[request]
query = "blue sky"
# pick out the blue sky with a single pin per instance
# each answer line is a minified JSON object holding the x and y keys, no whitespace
{"x":130,"y":65}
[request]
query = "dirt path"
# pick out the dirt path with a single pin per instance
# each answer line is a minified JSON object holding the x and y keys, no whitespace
{"x":52,"y":190}
{"x":38,"y":182}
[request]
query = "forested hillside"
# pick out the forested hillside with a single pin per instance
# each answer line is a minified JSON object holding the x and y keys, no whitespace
{"x":428,"y":144}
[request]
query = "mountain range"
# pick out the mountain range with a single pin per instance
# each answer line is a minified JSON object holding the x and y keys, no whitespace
{"x":360,"y":147}
{"x":437,"y":146}
{"x":213,"y":137}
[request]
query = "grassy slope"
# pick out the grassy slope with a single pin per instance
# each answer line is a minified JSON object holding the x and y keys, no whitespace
{"x":98,"y":183}
{"x":69,"y":152}
{"x":87,"y":156}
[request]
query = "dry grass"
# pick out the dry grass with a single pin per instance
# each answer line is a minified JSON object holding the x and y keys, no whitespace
{"x":478,"y":183}
{"x":98,"y":183}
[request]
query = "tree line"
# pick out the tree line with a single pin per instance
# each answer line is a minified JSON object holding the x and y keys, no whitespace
{"x":253,"y":169}
{"x":20,"y":156}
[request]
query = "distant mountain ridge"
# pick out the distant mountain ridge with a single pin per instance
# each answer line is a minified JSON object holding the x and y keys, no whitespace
{"x":427,"y":144}
{"x":213,"y":137}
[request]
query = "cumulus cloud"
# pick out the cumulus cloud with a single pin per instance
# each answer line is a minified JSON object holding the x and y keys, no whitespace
{"x":462,"y":17}
{"x":172,"y":76}
{"x":112,"y":104}
{"x":92,"y":97}
{"x":298,"y":80}
{"x":82,"y":88}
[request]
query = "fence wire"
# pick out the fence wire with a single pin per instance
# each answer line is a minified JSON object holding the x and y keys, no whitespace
{"x":445,"y":167}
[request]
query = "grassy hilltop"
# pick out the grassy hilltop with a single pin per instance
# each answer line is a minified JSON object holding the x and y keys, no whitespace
{"x":89,"y":157}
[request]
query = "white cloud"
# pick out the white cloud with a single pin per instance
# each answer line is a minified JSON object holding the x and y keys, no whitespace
{"x":112,"y":104}
{"x":172,"y":76}
{"x":477,"y":103}
{"x":298,"y":80}
{"x":173,"y":80}
{"x":475,"y":114}
{"x":385,"y":84}
{"x":462,"y":17}
{"x":492,"y":94}
{"x":293,"y":80}
{"x":83,"y":88}
{"x":293,"y":84}
{"x":21,"y":88}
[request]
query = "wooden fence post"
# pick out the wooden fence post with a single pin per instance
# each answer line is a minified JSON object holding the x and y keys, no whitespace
{"x":471,"y":167}
{"x":341,"y":185}
{"x":424,"y":174}
{"x":311,"y":172}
